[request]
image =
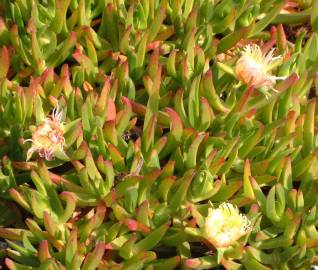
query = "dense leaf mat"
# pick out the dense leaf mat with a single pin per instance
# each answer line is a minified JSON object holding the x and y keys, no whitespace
{"x":158,"y":134}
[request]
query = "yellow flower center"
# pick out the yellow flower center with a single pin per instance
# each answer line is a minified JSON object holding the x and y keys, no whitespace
{"x":225,"y":225}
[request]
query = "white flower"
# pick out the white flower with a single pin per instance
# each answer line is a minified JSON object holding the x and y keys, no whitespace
{"x":48,"y":137}
{"x":225,"y":225}
{"x":253,"y":67}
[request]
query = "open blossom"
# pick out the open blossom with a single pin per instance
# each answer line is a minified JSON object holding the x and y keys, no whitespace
{"x":253,"y":67}
{"x":225,"y":225}
{"x":48,"y":137}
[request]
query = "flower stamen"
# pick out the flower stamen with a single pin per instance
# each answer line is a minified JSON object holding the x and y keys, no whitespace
{"x":225,"y":225}
{"x":253,"y":67}
{"x":48,"y":136}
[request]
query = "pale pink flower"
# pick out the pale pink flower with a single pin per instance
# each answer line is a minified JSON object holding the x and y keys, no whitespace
{"x":253,"y":67}
{"x":48,"y":137}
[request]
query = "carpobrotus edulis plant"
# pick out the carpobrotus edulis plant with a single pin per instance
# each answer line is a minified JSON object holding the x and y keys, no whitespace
{"x":177,"y":147}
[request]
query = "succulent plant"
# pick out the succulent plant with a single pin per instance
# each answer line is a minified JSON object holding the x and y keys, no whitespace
{"x":158,"y":134}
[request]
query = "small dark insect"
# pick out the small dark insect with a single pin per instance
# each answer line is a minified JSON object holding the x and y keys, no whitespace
{"x":126,"y":136}
{"x":132,"y":134}
{"x":129,"y":135}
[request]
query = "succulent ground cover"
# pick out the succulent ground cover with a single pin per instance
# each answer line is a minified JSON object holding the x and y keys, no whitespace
{"x":158,"y":134}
